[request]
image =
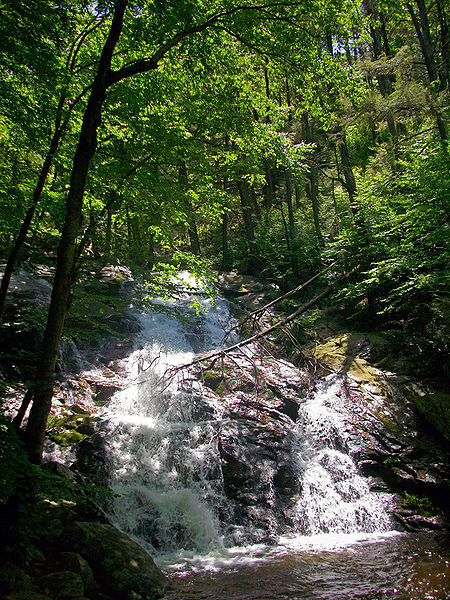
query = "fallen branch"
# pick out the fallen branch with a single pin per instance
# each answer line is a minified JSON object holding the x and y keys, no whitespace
{"x":221,"y":352}
{"x":283,"y":297}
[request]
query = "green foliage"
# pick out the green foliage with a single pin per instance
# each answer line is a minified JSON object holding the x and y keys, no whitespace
{"x":419,"y":504}
{"x":399,"y":251}
{"x":167,"y":283}
{"x":25,"y":489}
{"x":277,"y":255}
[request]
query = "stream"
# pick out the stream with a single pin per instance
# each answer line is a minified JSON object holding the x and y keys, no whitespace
{"x":244,"y":489}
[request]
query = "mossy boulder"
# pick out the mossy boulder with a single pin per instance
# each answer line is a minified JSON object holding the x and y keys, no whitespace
{"x":435,"y":409}
{"x":342,"y":354}
{"x":62,"y":585}
{"x":118,"y":562}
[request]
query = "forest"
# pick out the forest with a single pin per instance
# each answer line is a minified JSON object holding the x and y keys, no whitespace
{"x":274,"y":138}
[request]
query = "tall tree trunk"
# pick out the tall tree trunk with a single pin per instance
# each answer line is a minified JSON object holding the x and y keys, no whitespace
{"x":384,"y":80}
{"x":43,"y":386}
{"x":422,"y":28}
{"x":445,"y":44}
{"x":313,"y":176}
{"x":225,"y":263}
{"x":291,"y":221}
{"x":349,"y":178}
{"x":248,"y":221}
{"x":269,"y":192}
{"x":194,"y":242}
{"x":23,"y":232}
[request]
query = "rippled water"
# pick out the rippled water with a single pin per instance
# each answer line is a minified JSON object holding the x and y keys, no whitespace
{"x":401,"y":566}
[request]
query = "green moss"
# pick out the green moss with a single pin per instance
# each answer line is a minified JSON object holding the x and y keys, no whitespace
{"x":422,"y":506}
{"x":66,"y":438}
{"x":435,"y":408}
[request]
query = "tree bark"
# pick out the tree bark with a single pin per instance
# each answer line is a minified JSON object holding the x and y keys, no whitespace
{"x":194,"y":242}
{"x":445,"y":44}
{"x":350,"y":183}
{"x":23,"y":232}
{"x":422,"y":28}
{"x":43,"y":386}
{"x":313,"y":176}
{"x":248,"y":221}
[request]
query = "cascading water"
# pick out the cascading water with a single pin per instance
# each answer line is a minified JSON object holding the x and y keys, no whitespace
{"x":165,"y":448}
{"x":335,"y":498}
{"x":163,"y":451}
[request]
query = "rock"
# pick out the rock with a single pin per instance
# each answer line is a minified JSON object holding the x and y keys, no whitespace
{"x":13,"y":578}
{"x":57,"y":468}
{"x":435,"y":408}
{"x":342,"y":354}
{"x":104,"y":393}
{"x":91,"y":458}
{"x":26,"y":556}
{"x":63,"y":585}
{"x":118,"y":563}
{"x":27,"y":595}
{"x":414,"y":522}
{"x":74,"y":562}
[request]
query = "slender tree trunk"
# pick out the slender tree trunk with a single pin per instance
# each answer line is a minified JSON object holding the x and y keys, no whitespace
{"x":248,"y":220}
{"x":425,"y":39}
{"x":313,"y":176}
{"x":383,"y":79}
{"x":194,"y":242}
{"x":225,"y":264}
{"x":268,"y":187}
{"x":21,"y":237}
{"x":43,"y":387}
{"x":422,"y":28}
{"x":445,"y":43}
{"x":350,"y":183}
{"x":291,"y":221}
{"x":108,"y":233}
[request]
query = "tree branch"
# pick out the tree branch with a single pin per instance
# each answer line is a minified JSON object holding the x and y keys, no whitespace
{"x":151,"y":63}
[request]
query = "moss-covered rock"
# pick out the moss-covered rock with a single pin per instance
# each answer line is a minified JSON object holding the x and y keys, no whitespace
{"x":342,"y":354}
{"x":118,"y":562}
{"x":435,"y":409}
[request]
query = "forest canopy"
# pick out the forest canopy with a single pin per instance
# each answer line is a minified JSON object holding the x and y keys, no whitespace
{"x":272,"y":137}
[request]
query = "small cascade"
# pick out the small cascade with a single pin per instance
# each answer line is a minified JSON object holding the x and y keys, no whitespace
{"x":163,"y":452}
{"x":196,"y":471}
{"x":334,"y":497}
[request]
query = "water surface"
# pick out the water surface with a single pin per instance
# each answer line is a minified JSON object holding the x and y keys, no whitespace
{"x":401,"y":567}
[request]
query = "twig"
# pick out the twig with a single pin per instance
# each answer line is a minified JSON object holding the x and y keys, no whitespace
{"x":283,"y":297}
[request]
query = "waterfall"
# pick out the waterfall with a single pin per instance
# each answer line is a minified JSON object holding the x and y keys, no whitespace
{"x":165,"y":459}
{"x":335,"y":498}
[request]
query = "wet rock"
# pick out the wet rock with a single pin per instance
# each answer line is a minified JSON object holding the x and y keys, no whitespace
{"x":91,"y":457}
{"x":255,"y":453}
{"x":413,"y":522}
{"x":13,"y":579}
{"x":118,"y":563}
{"x":435,"y":409}
{"x":104,"y":393}
{"x":27,"y":595}
{"x":63,"y":585}
{"x":57,"y":468}
{"x":74,"y":562}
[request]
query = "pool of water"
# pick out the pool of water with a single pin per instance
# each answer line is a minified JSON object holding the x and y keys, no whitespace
{"x":399,"y":566}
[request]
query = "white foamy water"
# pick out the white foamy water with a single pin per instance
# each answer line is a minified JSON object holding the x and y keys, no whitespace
{"x":164,"y":459}
{"x":335,"y":498}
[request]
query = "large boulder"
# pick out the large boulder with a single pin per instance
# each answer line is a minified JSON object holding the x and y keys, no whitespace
{"x":62,"y":585}
{"x":118,"y":562}
{"x":435,"y":408}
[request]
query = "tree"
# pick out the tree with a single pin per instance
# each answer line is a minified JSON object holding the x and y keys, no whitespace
{"x":231,"y":16}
